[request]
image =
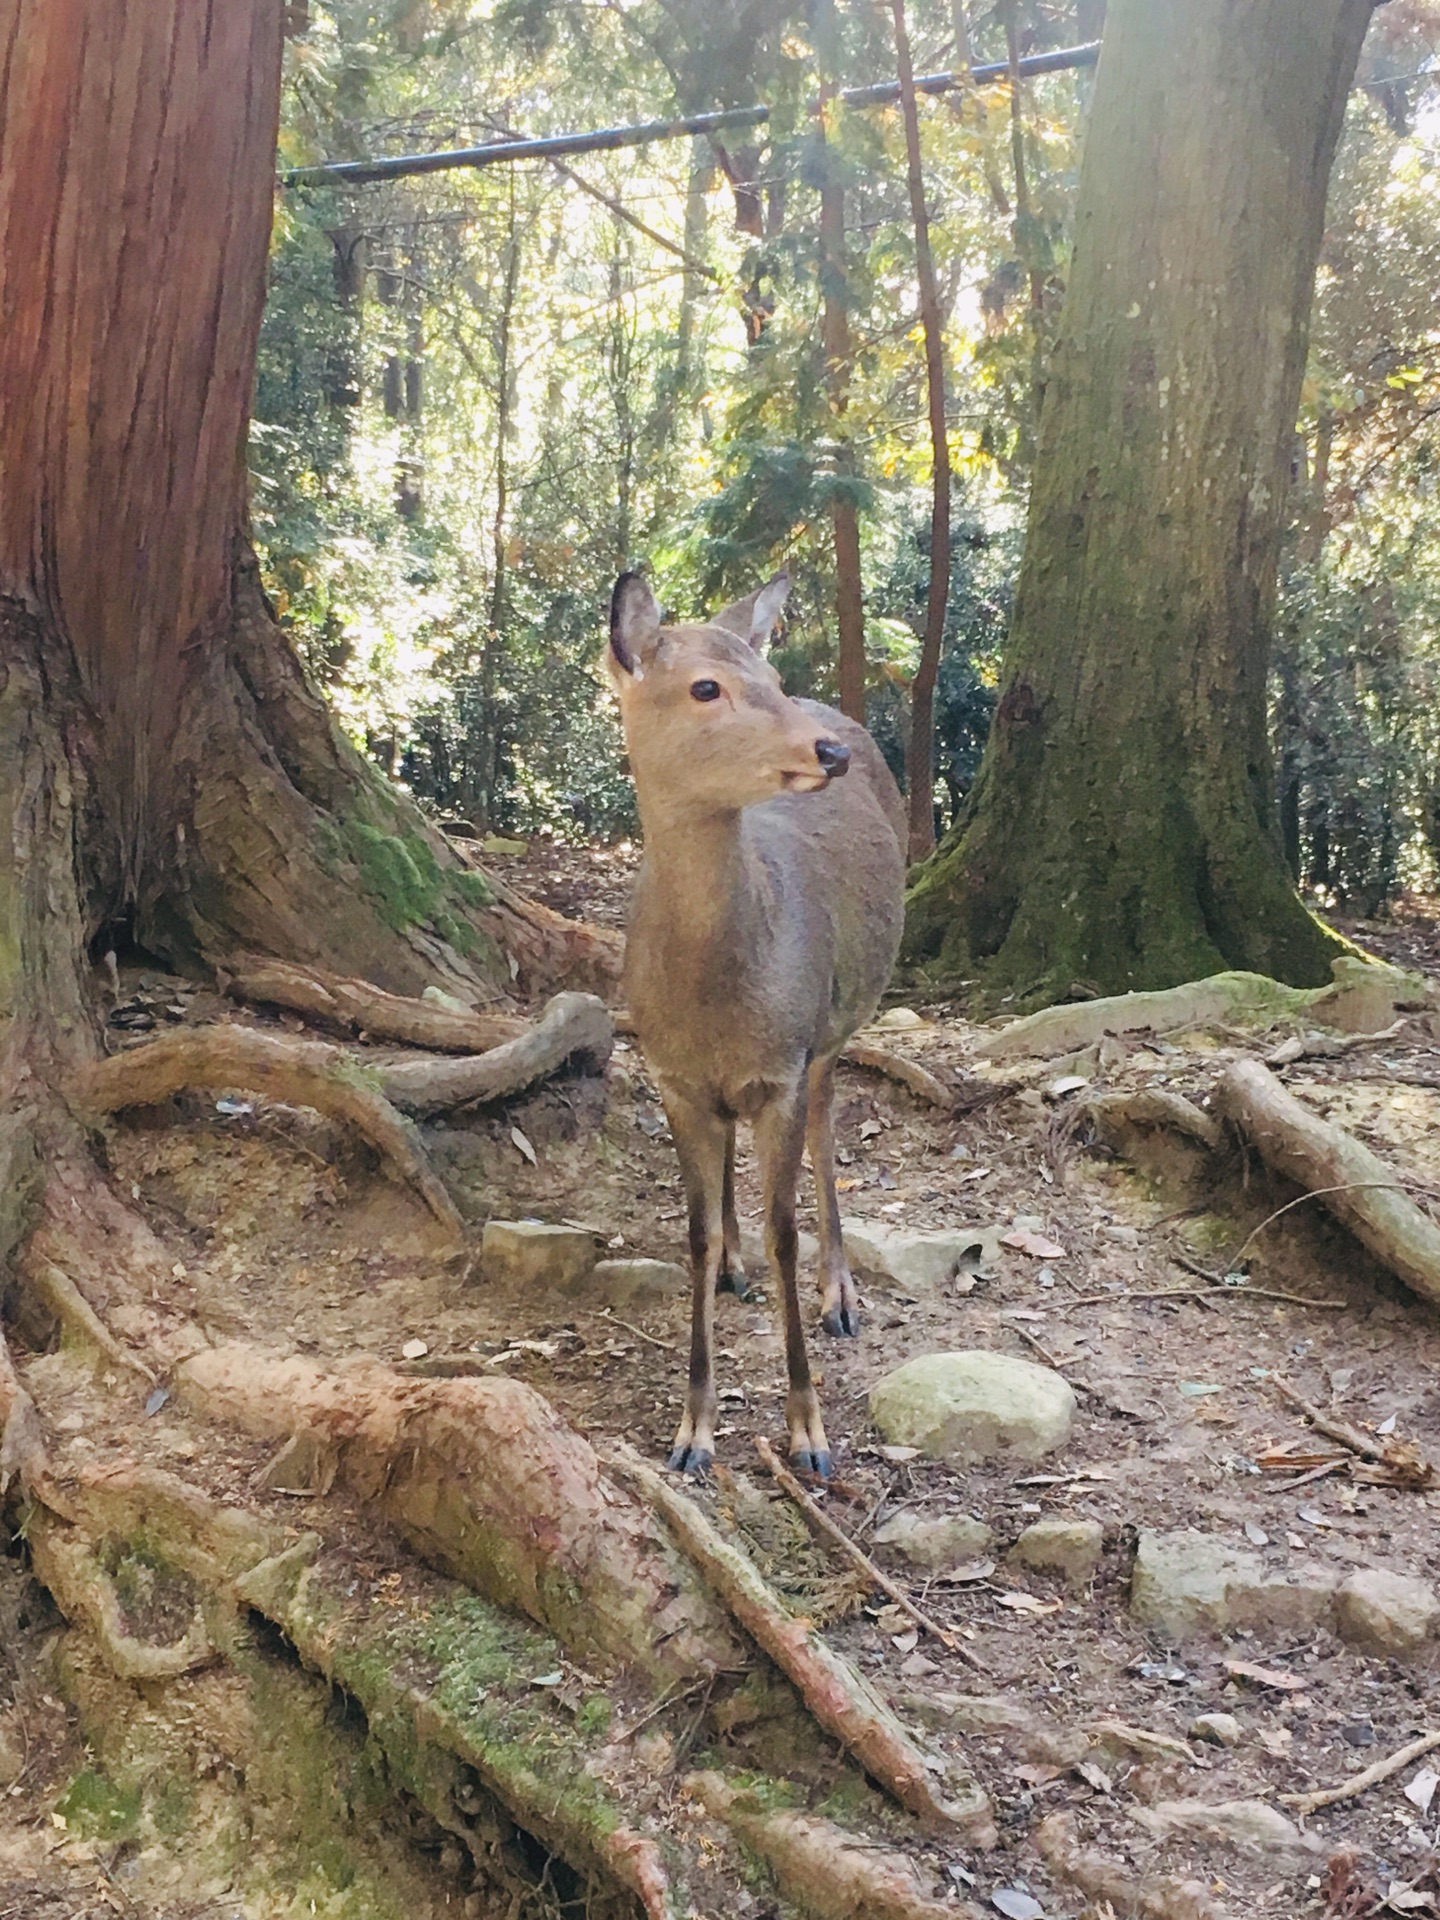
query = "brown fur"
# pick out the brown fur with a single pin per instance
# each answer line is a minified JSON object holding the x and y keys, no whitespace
{"x":765,"y":924}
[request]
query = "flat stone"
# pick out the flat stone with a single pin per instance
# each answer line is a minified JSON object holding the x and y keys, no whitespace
{"x":1220,"y":1729}
{"x":914,"y":1260}
{"x":1252,"y":1826}
{"x":1190,"y":1582}
{"x":1390,"y":1613}
{"x":934,"y":1541}
{"x":619,"y":1282}
{"x":12,"y":1753}
{"x":973,"y":1406}
{"x":1069,"y":1547}
{"x":529,"y":1253}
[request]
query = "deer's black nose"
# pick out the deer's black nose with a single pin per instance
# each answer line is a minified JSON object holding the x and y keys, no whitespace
{"x":832,"y":756}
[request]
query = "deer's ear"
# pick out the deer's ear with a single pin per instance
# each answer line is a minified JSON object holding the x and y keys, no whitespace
{"x":634,"y":623}
{"x":753,"y":618}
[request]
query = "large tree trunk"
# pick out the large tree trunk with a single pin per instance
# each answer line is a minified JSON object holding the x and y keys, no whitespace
{"x":1122,"y":832}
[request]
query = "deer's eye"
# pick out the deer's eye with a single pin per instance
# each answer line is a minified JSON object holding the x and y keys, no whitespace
{"x":704,"y":689}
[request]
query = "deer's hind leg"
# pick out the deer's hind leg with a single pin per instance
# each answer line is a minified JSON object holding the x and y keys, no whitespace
{"x":700,"y":1142}
{"x":780,"y":1142}
{"x":732,"y":1266}
{"x":839,"y":1302}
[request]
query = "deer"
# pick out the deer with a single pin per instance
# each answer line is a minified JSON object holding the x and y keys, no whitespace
{"x":763,"y":929}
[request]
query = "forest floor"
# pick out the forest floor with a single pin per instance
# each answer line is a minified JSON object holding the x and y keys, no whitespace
{"x":283,"y":1234}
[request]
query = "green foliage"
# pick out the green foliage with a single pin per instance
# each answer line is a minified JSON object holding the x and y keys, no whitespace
{"x":96,"y":1808}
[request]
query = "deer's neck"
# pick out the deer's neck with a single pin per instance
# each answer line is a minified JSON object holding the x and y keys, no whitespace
{"x":701,"y":877}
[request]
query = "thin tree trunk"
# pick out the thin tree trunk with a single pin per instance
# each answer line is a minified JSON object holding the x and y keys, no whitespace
{"x":921,"y":757}
{"x":495,"y":624}
{"x":1123,"y":830}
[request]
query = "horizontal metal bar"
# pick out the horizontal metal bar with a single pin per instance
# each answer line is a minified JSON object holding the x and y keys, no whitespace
{"x":557,"y":146}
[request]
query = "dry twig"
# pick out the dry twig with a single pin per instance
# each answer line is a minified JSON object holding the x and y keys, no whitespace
{"x":818,"y":1517}
{"x":1358,"y":1783}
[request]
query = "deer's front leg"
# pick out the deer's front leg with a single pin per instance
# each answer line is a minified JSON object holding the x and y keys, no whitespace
{"x":700,"y":1142}
{"x":780,"y":1142}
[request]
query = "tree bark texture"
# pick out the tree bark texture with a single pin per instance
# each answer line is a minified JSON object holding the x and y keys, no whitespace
{"x":222,"y":811}
{"x":1122,"y":832}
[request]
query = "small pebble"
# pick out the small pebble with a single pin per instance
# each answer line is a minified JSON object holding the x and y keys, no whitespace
{"x":1220,"y":1729}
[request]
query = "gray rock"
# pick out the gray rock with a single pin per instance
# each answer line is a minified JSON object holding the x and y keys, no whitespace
{"x":619,"y":1282}
{"x":1250,"y":1825}
{"x":968,"y":1407}
{"x":1220,"y":1729}
{"x":753,"y":1256}
{"x":1069,"y":1547}
{"x":528,"y":1253}
{"x":917,"y":1261}
{"x":934,"y":1541}
{"x":1389,"y":1613}
{"x":1188,"y":1582}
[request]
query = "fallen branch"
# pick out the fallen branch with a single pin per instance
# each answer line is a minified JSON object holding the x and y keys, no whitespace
{"x":819,"y":1866}
{"x":1405,"y":1463}
{"x":1217,"y":1282}
{"x":1350,"y":1181}
{"x":309,"y":1073}
{"x":834,"y":1693}
{"x":1358,"y":1783}
{"x":1199,"y":1293}
{"x":818,"y":1517}
{"x":75,"y":1312}
{"x":572,"y":1024}
{"x":368,"y":1009}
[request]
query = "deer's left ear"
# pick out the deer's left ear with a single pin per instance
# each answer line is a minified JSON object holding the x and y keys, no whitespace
{"x":634,"y":623}
{"x":754,"y":617}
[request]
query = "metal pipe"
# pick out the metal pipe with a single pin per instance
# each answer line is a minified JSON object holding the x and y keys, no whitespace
{"x":556,"y":146}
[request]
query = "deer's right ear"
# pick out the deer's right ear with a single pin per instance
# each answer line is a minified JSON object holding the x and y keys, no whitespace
{"x":634,"y":623}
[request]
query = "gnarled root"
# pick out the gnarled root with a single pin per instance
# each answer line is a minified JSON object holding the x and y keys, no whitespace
{"x":826,"y":1871}
{"x":573,"y":1024}
{"x":832,"y":1690}
{"x":367,"y":1009}
{"x":1100,"y":1878}
{"x":23,"y":1455}
{"x":307,"y":1072}
{"x":485,"y":1481}
{"x":79,"y":1318}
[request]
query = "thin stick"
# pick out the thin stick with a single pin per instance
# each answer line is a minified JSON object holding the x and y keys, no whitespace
{"x":1330,"y":1426}
{"x":614,"y":1320}
{"x":1358,"y":1783}
{"x":1203,"y":1293}
{"x":857,"y":1557}
{"x":1345,"y":1186}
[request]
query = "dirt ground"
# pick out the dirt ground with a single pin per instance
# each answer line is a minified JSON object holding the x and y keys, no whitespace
{"x":282,"y":1233}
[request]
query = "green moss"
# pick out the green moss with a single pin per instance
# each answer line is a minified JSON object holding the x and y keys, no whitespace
{"x":594,"y":1715}
{"x":473,"y":888}
{"x":398,"y":871}
{"x":95,"y":1806}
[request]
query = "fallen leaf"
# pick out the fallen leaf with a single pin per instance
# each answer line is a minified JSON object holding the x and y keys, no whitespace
{"x":906,"y":1642}
{"x":548,"y":1679}
{"x":1016,"y":1905}
{"x":898,"y":1456}
{"x":1027,"y":1603}
{"x":1094,"y":1776}
{"x":1277,"y":1740}
{"x":414,"y":1350}
{"x":1038,"y":1776}
{"x":524,"y":1146}
{"x":1421,"y":1790}
{"x":1198,"y":1389}
{"x":1257,"y":1536}
{"x":968,"y":1570}
{"x":1386,"y":1426}
{"x":1264,"y":1676}
{"x":1036,"y":1245}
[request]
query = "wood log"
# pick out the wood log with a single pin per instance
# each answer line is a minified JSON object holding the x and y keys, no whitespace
{"x":364,"y":1008}
{"x":1355,"y":1185}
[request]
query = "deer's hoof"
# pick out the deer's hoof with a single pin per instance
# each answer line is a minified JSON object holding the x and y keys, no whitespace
{"x":812,"y":1460}
{"x":690,"y":1459}
{"x":841,"y":1320}
{"x":731,"y":1280}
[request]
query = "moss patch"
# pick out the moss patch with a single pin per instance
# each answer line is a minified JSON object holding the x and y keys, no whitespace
{"x":95,"y":1806}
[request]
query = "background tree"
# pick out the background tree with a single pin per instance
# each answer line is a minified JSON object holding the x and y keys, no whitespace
{"x":1123,"y":831}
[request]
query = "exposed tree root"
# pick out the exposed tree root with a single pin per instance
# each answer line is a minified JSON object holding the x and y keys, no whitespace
{"x":827,"y":1871}
{"x":1112,"y":1113}
{"x":367,"y":1009}
{"x":307,"y":1072}
{"x":837,"y":1696}
{"x":79,"y":1318}
{"x":22,"y":1438}
{"x":1103,"y":1879}
{"x":908,"y":1073}
{"x":572,"y":1024}
{"x":485,"y":1481}
{"x":1350,"y":1181}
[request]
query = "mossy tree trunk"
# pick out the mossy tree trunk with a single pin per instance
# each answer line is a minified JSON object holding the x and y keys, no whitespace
{"x":1122,"y":832}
